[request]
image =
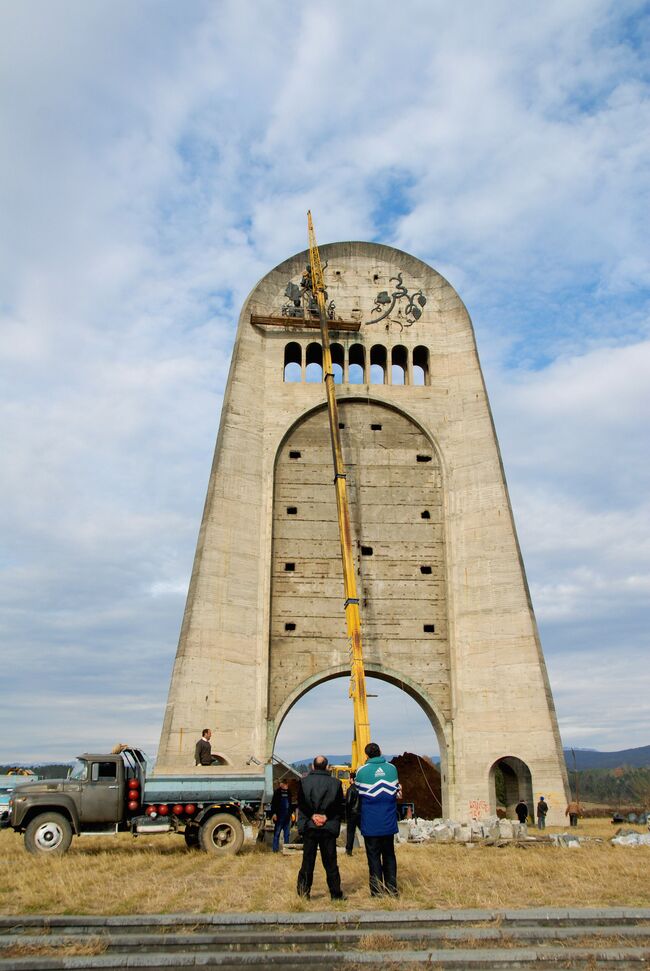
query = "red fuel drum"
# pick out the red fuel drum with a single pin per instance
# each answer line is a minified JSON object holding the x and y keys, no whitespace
{"x":133,"y":784}
{"x":133,"y":804}
{"x":190,"y":809}
{"x":163,"y":810}
{"x":177,"y":809}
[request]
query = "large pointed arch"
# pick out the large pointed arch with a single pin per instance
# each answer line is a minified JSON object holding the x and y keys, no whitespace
{"x":442,"y":728}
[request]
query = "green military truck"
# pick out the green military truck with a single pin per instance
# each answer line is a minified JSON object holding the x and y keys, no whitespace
{"x":104,"y":795}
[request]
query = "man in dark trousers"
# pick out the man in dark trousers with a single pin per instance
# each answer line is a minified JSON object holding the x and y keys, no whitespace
{"x":542,"y":809}
{"x":203,"y":750}
{"x":352,"y":809}
{"x":281,"y":813}
{"x":378,"y":787}
{"x":321,"y":807}
{"x":522,"y":811}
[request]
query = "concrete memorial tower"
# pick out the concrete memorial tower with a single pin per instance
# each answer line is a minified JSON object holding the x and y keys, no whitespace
{"x":446,"y":611}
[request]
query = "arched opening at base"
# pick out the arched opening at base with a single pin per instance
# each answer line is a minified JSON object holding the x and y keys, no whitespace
{"x":509,"y":781}
{"x":320,"y":721}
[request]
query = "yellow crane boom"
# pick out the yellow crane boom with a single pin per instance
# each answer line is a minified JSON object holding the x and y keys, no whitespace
{"x":352,"y":614}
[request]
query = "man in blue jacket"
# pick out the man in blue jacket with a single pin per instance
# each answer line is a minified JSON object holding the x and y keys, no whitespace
{"x":378,"y":787}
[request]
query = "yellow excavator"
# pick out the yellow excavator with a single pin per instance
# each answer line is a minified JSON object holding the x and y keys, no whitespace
{"x":352,"y":614}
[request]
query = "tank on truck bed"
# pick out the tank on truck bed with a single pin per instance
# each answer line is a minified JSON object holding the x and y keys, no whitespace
{"x":105,"y":794}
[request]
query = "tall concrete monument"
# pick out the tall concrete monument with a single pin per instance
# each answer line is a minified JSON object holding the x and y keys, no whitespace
{"x":446,"y":611}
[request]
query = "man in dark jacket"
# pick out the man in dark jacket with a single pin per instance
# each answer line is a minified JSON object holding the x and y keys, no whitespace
{"x":542,"y":809}
{"x":352,"y":813}
{"x":522,"y":811}
{"x":203,"y":750}
{"x":281,"y":813}
{"x":321,"y":806}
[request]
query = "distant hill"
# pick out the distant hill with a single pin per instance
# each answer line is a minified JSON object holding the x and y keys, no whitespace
{"x":588,"y":759}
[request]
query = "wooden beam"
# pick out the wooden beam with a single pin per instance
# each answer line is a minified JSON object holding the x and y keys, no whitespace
{"x":303,"y":323}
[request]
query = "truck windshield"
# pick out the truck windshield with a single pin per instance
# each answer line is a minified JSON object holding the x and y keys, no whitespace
{"x":78,"y":770}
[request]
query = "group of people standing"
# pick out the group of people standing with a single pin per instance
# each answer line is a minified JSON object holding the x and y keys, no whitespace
{"x":370,"y":804}
{"x":573,"y":811}
{"x":521,"y":810}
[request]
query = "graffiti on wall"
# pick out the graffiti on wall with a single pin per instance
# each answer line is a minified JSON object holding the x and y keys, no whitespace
{"x":478,"y":808}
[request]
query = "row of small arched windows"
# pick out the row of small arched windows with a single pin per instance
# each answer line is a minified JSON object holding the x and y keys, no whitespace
{"x":380,"y":366}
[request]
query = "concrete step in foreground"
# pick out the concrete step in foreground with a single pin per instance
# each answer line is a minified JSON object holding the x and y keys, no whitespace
{"x":544,"y":938}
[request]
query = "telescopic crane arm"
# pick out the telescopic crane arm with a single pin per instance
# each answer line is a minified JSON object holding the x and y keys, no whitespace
{"x":352,"y":614}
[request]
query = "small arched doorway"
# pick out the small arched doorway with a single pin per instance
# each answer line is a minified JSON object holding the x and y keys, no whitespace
{"x":509,"y":781}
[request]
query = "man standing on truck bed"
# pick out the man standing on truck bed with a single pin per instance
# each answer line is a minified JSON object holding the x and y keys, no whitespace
{"x":378,"y":787}
{"x":321,"y":806}
{"x":203,"y":750}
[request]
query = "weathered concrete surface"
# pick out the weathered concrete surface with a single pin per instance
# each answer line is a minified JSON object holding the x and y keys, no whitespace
{"x":479,"y":674}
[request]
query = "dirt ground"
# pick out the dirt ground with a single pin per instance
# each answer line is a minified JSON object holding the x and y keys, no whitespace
{"x":122,"y":875}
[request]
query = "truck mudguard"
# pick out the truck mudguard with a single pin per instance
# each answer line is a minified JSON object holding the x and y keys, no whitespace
{"x":26,"y":807}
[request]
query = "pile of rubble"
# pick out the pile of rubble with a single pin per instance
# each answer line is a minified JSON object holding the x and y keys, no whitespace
{"x":448,"y":831}
{"x":420,"y":782}
{"x":629,"y":837}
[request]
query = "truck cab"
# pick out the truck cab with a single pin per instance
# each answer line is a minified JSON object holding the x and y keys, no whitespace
{"x":98,"y":784}
{"x":91,"y":800}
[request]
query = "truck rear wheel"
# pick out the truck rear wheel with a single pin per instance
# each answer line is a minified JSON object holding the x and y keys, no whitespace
{"x":48,"y":833}
{"x":222,"y":833}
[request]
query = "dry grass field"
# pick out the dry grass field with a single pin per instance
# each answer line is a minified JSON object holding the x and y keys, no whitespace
{"x":159,"y":875}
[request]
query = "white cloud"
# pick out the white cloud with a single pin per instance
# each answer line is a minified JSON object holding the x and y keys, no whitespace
{"x":602,"y":699}
{"x":160,"y":159}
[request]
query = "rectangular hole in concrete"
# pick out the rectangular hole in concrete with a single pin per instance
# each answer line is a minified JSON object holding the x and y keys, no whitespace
{"x":422,"y":458}
{"x":341,"y":424}
{"x":375,"y":428}
{"x":425,"y":514}
{"x":429,"y":628}
{"x":289,"y":626}
{"x":290,"y":567}
{"x":292,"y":510}
{"x":375,"y":278}
{"x":425,"y":569}
{"x":294,"y":455}
{"x":366,"y":551}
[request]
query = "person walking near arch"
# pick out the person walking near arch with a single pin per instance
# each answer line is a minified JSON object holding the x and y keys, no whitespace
{"x":573,"y":810}
{"x":521,"y":809}
{"x":542,"y":809}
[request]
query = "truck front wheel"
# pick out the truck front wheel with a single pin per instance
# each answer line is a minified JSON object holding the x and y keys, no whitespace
{"x":221,"y":833}
{"x":49,"y":833}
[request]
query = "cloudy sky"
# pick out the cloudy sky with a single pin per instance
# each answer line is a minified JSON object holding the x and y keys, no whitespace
{"x":157,"y":159}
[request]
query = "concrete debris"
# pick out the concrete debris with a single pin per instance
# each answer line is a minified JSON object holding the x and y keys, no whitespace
{"x":567,"y":841}
{"x":448,"y":831}
{"x":632,"y":839}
